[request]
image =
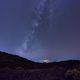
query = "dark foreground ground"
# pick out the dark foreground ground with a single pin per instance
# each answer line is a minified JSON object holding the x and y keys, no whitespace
{"x":37,"y":74}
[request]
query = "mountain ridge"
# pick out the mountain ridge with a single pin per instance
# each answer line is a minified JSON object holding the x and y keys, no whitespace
{"x":14,"y":61}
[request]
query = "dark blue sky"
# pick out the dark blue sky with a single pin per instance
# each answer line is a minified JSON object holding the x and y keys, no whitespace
{"x":57,"y":42}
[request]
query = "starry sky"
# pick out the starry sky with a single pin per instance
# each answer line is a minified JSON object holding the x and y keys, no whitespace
{"x":56,"y":35}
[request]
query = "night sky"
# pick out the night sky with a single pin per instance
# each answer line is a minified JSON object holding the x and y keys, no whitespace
{"x":55,"y":37}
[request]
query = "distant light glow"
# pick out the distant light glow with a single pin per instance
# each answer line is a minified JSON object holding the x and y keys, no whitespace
{"x":45,"y":61}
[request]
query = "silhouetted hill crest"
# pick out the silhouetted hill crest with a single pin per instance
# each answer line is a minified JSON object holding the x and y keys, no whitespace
{"x":14,"y":61}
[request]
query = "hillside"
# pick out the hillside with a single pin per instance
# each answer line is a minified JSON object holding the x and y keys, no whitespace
{"x":13,"y":61}
{"x":13,"y":67}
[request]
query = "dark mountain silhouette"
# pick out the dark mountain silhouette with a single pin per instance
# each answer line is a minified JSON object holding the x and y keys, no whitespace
{"x":13,"y":67}
{"x":14,"y":61}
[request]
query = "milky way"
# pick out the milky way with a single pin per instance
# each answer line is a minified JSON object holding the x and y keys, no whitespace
{"x":40,"y":29}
